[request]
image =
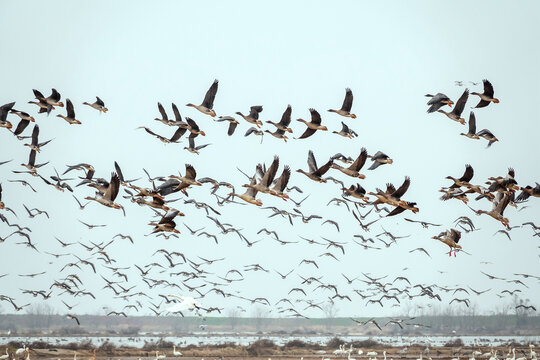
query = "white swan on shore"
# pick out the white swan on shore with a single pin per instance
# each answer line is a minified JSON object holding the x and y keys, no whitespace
{"x":176,"y":353}
{"x":5,"y":356}
{"x":21,"y":350}
{"x":159,"y":357}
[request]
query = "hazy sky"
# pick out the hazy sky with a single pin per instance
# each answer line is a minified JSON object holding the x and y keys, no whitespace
{"x":133,"y":54}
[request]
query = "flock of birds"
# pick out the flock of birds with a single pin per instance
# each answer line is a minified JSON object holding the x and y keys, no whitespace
{"x":193,"y":274}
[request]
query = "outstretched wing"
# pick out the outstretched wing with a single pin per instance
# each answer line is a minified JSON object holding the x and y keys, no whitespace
{"x":347,"y":102}
{"x":208,"y":101}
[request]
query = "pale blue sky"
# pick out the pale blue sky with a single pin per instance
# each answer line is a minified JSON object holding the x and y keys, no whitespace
{"x":133,"y":54}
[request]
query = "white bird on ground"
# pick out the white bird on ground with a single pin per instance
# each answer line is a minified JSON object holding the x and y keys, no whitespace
{"x":160,"y":356}
{"x":21,"y":350}
{"x":5,"y":356}
{"x":176,"y":353}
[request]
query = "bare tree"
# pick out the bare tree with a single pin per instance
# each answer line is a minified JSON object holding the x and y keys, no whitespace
{"x":232,"y":317}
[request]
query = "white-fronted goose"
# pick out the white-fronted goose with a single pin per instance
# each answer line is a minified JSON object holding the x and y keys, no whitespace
{"x":315,"y":173}
{"x":174,"y":138}
{"x":471,"y":134}
{"x":166,"y":223}
{"x":194,"y":128}
{"x":4,"y":110}
{"x":249,"y":195}
{"x":347,"y":105}
{"x":253,"y":130}
{"x":464,"y":179}
{"x":2,"y":205}
{"x":192,"y":148}
{"x":32,"y":163}
{"x":41,"y":103}
{"x":313,"y":125}
{"x":528,"y":191}
{"x":70,"y":118}
{"x":165,"y":119}
{"x":354,"y":169}
{"x":281,"y":184}
{"x":488,"y":135}
{"x":99,"y":105}
{"x":379,"y":159}
{"x":487,"y":96}
{"x":451,"y":238}
{"x":405,"y":205}
{"x":458,"y":109}
{"x":110,"y":195}
{"x":36,"y":145}
{"x":285,"y":120}
{"x":454,"y":193}
{"x":187,"y":180}
{"x":264,"y":184}
{"x":356,"y":191}
{"x":25,"y":120}
{"x":346,"y":131}
{"x":208,"y":102}
{"x":233,"y":123}
{"x":437,"y":101}
{"x":392,"y":198}
{"x":253,"y":117}
{"x":54,"y":99}
{"x":500,"y":203}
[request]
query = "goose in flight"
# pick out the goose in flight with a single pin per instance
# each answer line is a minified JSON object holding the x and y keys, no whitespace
{"x":437,"y":101}
{"x":99,"y":105}
{"x":451,"y":238}
{"x":233,"y":123}
{"x":500,"y":203}
{"x":43,"y":106}
{"x":356,"y":191}
{"x":25,"y":121}
{"x":251,"y":192}
{"x":487,"y":96}
{"x":315,"y":173}
{"x":354,"y":169}
{"x":281,"y":184}
{"x":379,"y":159}
{"x":166,"y":223}
{"x":471,"y":134}
{"x":4,"y":110}
{"x":346,"y":131}
{"x":174,"y":138}
{"x":253,"y":116}
{"x":313,"y":125}
{"x":110,"y":195}
{"x":192,"y":148}
{"x":347,"y":105}
{"x":264,"y":184}
{"x":283,"y":125}
{"x":392,"y":198}
{"x":527,"y":192}
{"x":187,"y":180}
{"x":36,"y":145}
{"x":70,"y":118}
{"x":458,"y":109}
{"x":488,"y":135}
{"x":463,"y":180}
{"x":208,"y":102}
{"x":2,"y":205}
{"x":32,"y":166}
{"x":253,"y":130}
